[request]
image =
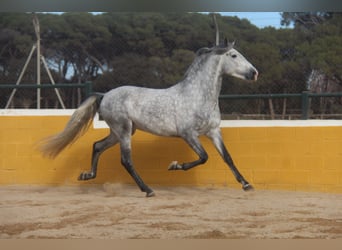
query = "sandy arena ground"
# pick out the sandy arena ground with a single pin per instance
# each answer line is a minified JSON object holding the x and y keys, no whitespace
{"x":115,"y":211}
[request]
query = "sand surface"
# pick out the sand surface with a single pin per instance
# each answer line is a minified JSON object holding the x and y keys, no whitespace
{"x":115,"y":211}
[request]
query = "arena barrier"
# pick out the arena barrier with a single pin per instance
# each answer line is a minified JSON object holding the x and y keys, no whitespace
{"x":303,"y":155}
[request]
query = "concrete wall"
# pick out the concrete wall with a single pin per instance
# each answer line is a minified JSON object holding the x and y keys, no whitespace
{"x":288,"y":155}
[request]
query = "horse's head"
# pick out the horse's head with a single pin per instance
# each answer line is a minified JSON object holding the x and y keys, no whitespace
{"x":233,"y":62}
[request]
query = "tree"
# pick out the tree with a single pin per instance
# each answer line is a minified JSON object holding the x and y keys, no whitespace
{"x":155,"y":49}
{"x":307,"y":20}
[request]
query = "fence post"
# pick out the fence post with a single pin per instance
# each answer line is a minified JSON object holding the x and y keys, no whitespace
{"x":305,"y":105}
{"x":88,"y":88}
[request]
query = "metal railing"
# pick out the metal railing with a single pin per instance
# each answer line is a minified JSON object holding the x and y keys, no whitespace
{"x":87,"y":87}
{"x":305,"y":98}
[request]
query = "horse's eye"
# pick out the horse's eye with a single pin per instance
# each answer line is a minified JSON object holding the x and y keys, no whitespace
{"x":234,"y":56}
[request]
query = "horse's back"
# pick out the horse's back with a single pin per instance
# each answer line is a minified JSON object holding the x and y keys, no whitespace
{"x":151,"y":110}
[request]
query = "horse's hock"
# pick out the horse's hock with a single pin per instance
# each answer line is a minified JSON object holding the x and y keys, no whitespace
{"x":286,"y":155}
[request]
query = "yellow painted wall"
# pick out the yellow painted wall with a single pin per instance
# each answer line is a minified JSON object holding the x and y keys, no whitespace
{"x":288,"y":158}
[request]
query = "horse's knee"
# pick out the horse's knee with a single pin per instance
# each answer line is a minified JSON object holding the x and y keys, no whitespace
{"x":127,"y":163}
{"x":124,"y":162}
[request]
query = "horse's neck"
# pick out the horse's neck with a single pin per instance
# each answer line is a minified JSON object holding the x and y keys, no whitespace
{"x":204,"y":80}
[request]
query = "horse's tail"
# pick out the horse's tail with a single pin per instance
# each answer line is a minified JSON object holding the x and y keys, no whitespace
{"x":78,"y":124}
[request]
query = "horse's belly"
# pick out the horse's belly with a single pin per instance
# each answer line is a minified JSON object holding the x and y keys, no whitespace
{"x":155,"y":114}
{"x":164,"y":126}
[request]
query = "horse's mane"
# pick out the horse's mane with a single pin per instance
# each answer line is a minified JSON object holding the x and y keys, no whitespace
{"x":203,"y":54}
{"x":218,"y":50}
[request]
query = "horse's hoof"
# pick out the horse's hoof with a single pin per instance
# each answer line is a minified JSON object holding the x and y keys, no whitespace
{"x":175,"y":166}
{"x":247,"y":187}
{"x":150,"y":194}
{"x":86,"y":176}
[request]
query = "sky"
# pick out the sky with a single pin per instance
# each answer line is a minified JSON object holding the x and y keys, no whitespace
{"x":259,"y":19}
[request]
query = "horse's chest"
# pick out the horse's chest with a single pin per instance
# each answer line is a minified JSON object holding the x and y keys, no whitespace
{"x":205,"y":121}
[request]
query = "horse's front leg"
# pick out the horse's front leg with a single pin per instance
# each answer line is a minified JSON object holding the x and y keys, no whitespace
{"x":98,"y":148}
{"x":195,"y":144}
{"x":216,"y":137}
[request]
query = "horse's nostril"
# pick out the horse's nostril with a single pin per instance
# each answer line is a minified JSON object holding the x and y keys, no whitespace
{"x":255,"y":74}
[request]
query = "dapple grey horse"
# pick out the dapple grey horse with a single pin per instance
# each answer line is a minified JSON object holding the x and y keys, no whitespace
{"x":187,"y":110}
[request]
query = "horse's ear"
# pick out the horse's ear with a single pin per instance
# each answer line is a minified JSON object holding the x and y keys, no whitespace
{"x":230,"y":45}
{"x":225,"y":42}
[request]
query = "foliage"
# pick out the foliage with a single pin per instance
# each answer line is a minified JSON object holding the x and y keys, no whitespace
{"x":155,"y":49}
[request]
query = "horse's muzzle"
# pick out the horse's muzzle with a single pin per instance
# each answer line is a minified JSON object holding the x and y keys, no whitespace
{"x":252,"y":75}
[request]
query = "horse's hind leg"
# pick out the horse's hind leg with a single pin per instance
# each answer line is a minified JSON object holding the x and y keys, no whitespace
{"x":126,"y":161}
{"x":98,"y":148}
{"x":126,"y":158}
{"x":216,"y":137}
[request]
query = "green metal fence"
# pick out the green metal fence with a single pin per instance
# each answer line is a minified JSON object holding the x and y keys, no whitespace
{"x":86,"y":87}
{"x":304,"y":98}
